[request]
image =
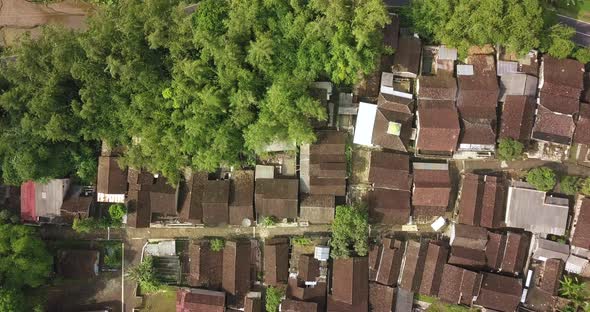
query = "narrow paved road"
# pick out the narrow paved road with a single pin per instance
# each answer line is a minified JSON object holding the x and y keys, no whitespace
{"x":582,"y":35}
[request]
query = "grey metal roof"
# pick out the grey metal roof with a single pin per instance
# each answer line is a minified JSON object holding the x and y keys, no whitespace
{"x":430,"y":166}
{"x":464,"y":70}
{"x":50,"y":196}
{"x":506,"y":67}
{"x":517,"y":84}
{"x":528,"y":209}
{"x":546,"y":249}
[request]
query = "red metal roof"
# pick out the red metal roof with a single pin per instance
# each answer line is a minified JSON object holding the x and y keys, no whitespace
{"x":27,"y":202}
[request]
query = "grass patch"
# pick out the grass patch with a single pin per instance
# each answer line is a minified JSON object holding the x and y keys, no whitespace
{"x":164,"y":301}
{"x":438,"y":306}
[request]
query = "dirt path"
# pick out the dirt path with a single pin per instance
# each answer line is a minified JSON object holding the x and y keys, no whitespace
{"x":21,"y":16}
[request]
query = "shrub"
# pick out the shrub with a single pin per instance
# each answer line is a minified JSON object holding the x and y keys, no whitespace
{"x":117,"y":212}
{"x":85,"y":225}
{"x":542,"y":178}
{"x":217,"y":244}
{"x":570,"y":185}
{"x":576,"y":291}
{"x":301,"y":241}
{"x":268,"y":221}
{"x":144,"y":274}
{"x":273,"y":299}
{"x":509,"y":149}
{"x":582,"y":55}
{"x":350,"y":232}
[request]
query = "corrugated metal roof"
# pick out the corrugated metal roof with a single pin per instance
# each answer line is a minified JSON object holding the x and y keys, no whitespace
{"x":464,"y":70}
{"x":506,"y":67}
{"x":365,"y":122}
{"x":527,"y":209}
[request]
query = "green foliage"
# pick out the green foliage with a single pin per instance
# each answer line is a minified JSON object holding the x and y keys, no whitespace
{"x":5,"y":216}
{"x":350,"y":232}
{"x":217,"y":244}
{"x":85,"y":225}
{"x":274,"y":296}
{"x":348,"y":154}
{"x":12,"y":300}
{"x":144,"y":274}
{"x":509,"y":149}
{"x":268,"y":221}
{"x":558,"y":42}
{"x":516,"y":24}
{"x":576,"y":291}
{"x":582,"y":55}
{"x":570,"y":185}
{"x":585,"y":187}
{"x":542,"y":178}
{"x":301,"y":241}
{"x":112,"y":256}
{"x":117,"y":212}
{"x":24,"y":259}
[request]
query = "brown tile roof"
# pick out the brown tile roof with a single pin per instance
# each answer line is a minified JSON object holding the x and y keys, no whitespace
{"x":160,"y":197}
{"x":296,"y":289}
{"x":389,"y":206}
{"x":111,"y":178}
{"x":199,"y":300}
{"x":289,"y":305}
{"x":407,"y":55}
{"x":473,"y":258}
{"x":553,"y":127}
{"x":215,"y":202}
{"x":138,"y":209}
{"x":517,"y":117}
{"x":241,"y":196}
{"x":276,"y":263}
{"x":277,"y":197}
{"x":436,"y":257}
{"x":585,"y":97}
{"x":495,"y":250}
{"x":77,"y":263}
{"x":482,"y":201}
{"x":432,"y":188}
{"x":191,"y":196}
{"x":478,"y":133}
{"x":469,"y":236}
{"x":382,"y":138}
{"x":392,"y":254}
{"x":516,"y":252}
{"x":562,"y":77}
{"x":458,"y":285}
{"x":438,"y":128}
{"x":441,"y":87}
{"x":478,"y":94}
{"x":236,"y":267}
{"x":374,"y":258}
{"x":390,"y":170}
{"x":317,"y":208}
{"x":309,"y":268}
{"x":350,"y":281}
{"x":381,"y":297}
{"x":252,"y":304}
{"x":499,"y":292}
{"x":414,"y":265}
{"x":75,"y":204}
{"x":327,"y":169}
{"x":581,"y":235}
{"x":559,"y":104}
{"x":205,"y":265}
{"x":552,"y":272}
{"x":395,"y":103}
{"x":582,"y":134}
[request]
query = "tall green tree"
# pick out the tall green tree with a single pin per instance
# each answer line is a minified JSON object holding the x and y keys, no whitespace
{"x":558,"y":41}
{"x":12,"y":300}
{"x":350,"y":232}
{"x":542,"y":178}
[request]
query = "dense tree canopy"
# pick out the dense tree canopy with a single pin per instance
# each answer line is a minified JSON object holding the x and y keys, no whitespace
{"x":509,"y":149}
{"x":179,"y":88}
{"x":350,"y":232}
{"x":516,"y":24}
{"x":542,"y":178}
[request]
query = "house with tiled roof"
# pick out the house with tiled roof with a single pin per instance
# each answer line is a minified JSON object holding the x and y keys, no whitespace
{"x":437,"y":128}
{"x":111,"y":184}
{"x":389,"y":299}
{"x":518,"y":114}
{"x":431,"y":190}
{"x":386,"y":266}
{"x":199,"y":300}
{"x":482,"y":200}
{"x":582,"y":135}
{"x":518,"y":84}
{"x":78,"y":264}
{"x":499,"y":293}
{"x":276,"y":197}
{"x":236,"y":270}
{"x":42,"y":202}
{"x":545,"y":282}
{"x":468,"y":245}
{"x":276,"y":261}
{"x":350,"y":285}
{"x":253,"y":302}
{"x":561,"y":83}
{"x":436,"y":257}
{"x":458,"y":285}
{"x":205,"y":265}
{"x":406,"y":60}
{"x":440,"y":87}
{"x":289,"y":305}
{"x":414,"y":260}
{"x":323,"y":164}
{"x":580,"y":236}
{"x":150,"y":199}
{"x":389,"y":200}
{"x":241,"y":197}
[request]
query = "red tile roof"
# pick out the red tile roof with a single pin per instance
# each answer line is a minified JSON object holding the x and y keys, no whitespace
{"x":199,"y":300}
{"x":501,"y":293}
{"x":478,"y":133}
{"x":459,"y":285}
{"x":236,"y":268}
{"x":390,"y":170}
{"x":553,"y":127}
{"x":350,"y":282}
{"x":27,"y":202}
{"x":517,"y":117}
{"x":289,"y":305}
{"x":389,"y":206}
{"x":562,"y":77}
{"x":241,"y":197}
{"x":432,"y":188}
{"x":309,"y":268}
{"x":436,"y":256}
{"x":389,"y":267}
{"x":414,"y":265}
{"x":439,"y":128}
{"x":582,"y":133}
{"x":560,"y":104}
{"x":440,"y":87}
{"x":277,"y":197}
{"x":381,"y":297}
{"x":276,"y":262}
{"x":111,"y":178}
{"x":516,"y":252}
{"x":552,"y":272}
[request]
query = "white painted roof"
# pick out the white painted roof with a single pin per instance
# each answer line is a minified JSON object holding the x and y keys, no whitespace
{"x":365,"y":121}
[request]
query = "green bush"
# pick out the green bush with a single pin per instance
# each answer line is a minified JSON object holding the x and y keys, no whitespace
{"x":85,"y":225}
{"x":509,"y":149}
{"x":117,"y":212}
{"x":350,"y":232}
{"x":585,"y":187}
{"x":571,"y":288}
{"x":112,"y":256}
{"x":542,"y":178}
{"x":217,"y":244}
{"x":144,"y":274}
{"x":301,"y":241}
{"x":570,"y":185}
{"x":582,"y":55}
{"x":273,"y":299}
{"x":268,"y":221}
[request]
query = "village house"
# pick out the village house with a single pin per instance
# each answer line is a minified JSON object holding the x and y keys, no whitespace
{"x":406,"y":60}
{"x":385,"y":262}
{"x":276,"y":261}
{"x":42,"y":202}
{"x":482,"y":200}
{"x":582,"y":135}
{"x":111,"y":184}
{"x":499,"y":293}
{"x":437,"y":128}
{"x":389,"y":201}
{"x":542,"y":292}
{"x":350,"y":285}
{"x":205,"y":265}
{"x":275,"y":195}
{"x":518,"y":114}
{"x":561,"y":83}
{"x":199,"y":300}
{"x":431,"y":191}
{"x":436,"y":256}
{"x":150,"y":199}
{"x":415,"y":257}
{"x":236,"y":271}
{"x":580,"y":237}
{"x":458,"y":285}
